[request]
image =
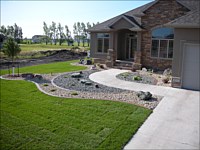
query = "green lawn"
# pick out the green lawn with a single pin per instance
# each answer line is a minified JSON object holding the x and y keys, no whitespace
{"x":48,"y":68}
{"x":33,"y":120}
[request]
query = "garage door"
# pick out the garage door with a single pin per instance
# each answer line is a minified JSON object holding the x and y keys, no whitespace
{"x":191,"y":67}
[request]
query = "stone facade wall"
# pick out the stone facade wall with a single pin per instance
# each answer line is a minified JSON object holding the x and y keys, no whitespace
{"x":157,"y":15}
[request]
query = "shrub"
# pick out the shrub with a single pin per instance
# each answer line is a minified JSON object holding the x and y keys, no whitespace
{"x":45,"y":84}
{"x":74,"y":93}
{"x":165,"y":79}
{"x":52,"y":90}
{"x":137,"y":78}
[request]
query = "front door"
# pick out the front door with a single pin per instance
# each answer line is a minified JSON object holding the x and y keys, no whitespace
{"x":131,"y":46}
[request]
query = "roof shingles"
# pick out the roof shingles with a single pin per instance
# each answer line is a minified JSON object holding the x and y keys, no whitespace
{"x":135,"y":15}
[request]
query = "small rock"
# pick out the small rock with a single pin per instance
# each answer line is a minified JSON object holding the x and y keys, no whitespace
{"x":83,"y":81}
{"x":144,"y":69}
{"x":96,"y":86}
{"x":88,"y":83}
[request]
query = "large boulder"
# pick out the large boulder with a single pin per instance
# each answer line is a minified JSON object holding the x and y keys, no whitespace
{"x":28,"y":75}
{"x":39,"y":77}
{"x":76,"y":75}
{"x":167,"y":72}
{"x":144,"y":95}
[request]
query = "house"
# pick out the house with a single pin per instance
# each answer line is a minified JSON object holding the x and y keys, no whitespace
{"x":38,"y":38}
{"x":161,"y":34}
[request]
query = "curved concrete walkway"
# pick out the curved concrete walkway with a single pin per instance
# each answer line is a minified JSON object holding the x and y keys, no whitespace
{"x":174,"y":123}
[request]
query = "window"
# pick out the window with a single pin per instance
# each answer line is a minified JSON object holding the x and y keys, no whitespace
{"x":102,"y":42}
{"x":162,"y":43}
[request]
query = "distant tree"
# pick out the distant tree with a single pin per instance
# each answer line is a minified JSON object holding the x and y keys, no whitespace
{"x":77,"y":32}
{"x":67,"y":34}
{"x":61,"y":34}
{"x":3,"y":30}
{"x":46,"y":32}
{"x":13,"y":31}
{"x":11,"y":49}
{"x":54,"y":32}
{"x":87,"y":33}
{"x":50,"y":35}
{"x":83,"y":33}
{"x":20,"y":34}
{"x":16,"y":32}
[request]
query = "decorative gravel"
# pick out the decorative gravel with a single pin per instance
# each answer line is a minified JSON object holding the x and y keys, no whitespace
{"x":79,"y":90}
{"x":68,"y":82}
{"x":145,"y":78}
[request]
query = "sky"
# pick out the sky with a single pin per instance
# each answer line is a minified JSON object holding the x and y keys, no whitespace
{"x":30,"y":15}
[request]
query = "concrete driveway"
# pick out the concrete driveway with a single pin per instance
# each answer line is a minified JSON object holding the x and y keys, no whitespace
{"x":174,"y":123}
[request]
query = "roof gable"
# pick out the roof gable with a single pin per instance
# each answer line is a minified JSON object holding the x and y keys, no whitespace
{"x":125,"y":22}
{"x":135,"y":14}
{"x":191,"y":20}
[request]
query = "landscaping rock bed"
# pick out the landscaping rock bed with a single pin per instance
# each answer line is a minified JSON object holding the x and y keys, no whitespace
{"x":77,"y":88}
{"x":146,"y":77}
{"x":137,"y":77}
{"x":81,"y":82}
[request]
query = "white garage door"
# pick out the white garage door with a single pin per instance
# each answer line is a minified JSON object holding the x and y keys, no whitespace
{"x":191,"y":67}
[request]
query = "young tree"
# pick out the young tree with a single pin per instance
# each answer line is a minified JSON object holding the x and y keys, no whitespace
{"x":46,"y":32}
{"x":11,"y":49}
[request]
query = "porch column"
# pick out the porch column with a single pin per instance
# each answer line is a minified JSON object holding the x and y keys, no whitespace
{"x":110,"y":62}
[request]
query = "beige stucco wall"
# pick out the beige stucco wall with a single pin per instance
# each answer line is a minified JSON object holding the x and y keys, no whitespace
{"x":182,"y":36}
{"x":93,"y":45}
{"x":122,"y":24}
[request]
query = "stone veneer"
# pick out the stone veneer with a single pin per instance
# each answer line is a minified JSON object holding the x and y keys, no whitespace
{"x":157,"y":15}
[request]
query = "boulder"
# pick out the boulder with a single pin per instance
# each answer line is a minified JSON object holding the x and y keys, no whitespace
{"x":167,"y":72}
{"x":144,"y":95}
{"x":89,"y":62}
{"x":28,"y":75}
{"x":39,"y":77}
{"x":76,"y":75}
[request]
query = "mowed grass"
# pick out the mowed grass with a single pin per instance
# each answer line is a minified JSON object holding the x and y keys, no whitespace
{"x":57,"y":67}
{"x":33,"y":120}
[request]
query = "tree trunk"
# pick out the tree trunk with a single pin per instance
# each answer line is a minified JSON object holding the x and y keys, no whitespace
{"x":88,"y":42}
{"x":13,"y":67}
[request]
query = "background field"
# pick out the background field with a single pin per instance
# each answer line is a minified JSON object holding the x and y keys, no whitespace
{"x":43,"y":46}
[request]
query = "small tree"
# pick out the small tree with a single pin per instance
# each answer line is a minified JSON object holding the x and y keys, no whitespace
{"x":11,"y":49}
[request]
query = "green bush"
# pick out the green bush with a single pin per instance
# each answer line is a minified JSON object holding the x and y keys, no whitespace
{"x":74,"y":93}
{"x":137,"y":78}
